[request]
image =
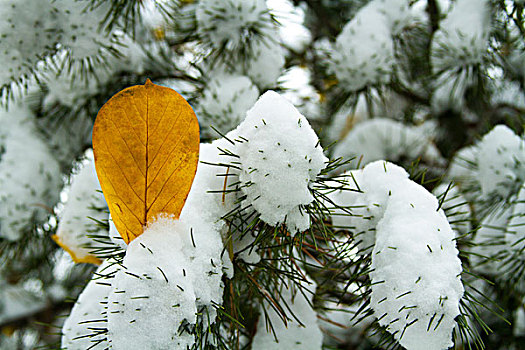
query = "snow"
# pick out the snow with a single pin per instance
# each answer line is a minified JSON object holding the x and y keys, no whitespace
{"x":492,"y":168}
{"x":501,"y":161}
{"x":85,"y":206}
{"x":415,"y":264}
{"x":231,"y":22}
{"x":415,"y":254}
{"x":396,"y":13}
{"x":115,"y":236}
{"x":381,"y":138}
{"x":68,"y":87}
{"x":265,"y":63}
{"x":26,"y":34}
{"x":487,"y":243}
{"x":16,"y":302}
{"x":519,"y":320}
{"x":293,"y":33}
{"x":301,"y":331}
{"x":364,"y":51}
{"x":515,"y":234}
{"x":462,"y":38}
{"x":174,"y":269}
{"x":462,"y":170}
{"x":456,"y":207}
{"x":297,"y":87}
{"x":29,"y":174}
{"x":88,"y":316}
{"x":80,"y":29}
{"x":279,"y":160}
{"x":364,"y":194}
{"x":224,"y":103}
{"x":507,"y":93}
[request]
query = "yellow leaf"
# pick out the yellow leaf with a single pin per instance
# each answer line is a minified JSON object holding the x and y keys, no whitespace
{"x":146,"y":147}
{"x":88,"y":259}
{"x":8,"y":330}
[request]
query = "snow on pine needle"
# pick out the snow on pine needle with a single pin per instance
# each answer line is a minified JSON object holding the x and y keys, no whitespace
{"x":86,"y":325}
{"x":178,"y":265}
{"x":30,"y":178}
{"x":415,"y":278}
{"x":364,"y":50}
{"x":231,"y":24}
{"x":171,"y":258}
{"x":281,"y":155}
{"x":31,"y":33}
{"x":382,"y":138}
{"x":243,"y":37}
{"x":224,"y":103}
{"x":26,"y":36}
{"x":80,"y":29}
{"x":173,"y":269}
{"x":265,"y":62}
{"x":301,"y":331}
{"x":67,"y":83}
{"x":462,"y":38}
{"x":459,"y":47}
{"x":81,"y":223}
{"x":492,"y":170}
{"x":501,"y":162}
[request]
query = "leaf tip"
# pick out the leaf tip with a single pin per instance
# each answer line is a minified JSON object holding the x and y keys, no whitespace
{"x":88,"y":259}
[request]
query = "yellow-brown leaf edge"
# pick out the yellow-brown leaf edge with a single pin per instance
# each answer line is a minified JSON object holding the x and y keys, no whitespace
{"x":88,"y":259}
{"x":146,"y":148}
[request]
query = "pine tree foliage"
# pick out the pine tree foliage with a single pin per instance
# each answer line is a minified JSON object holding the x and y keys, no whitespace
{"x":360,"y":181}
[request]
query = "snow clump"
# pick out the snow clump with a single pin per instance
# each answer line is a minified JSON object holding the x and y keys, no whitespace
{"x":90,"y":311}
{"x":364,"y":50}
{"x":231,"y":23}
{"x":29,"y":174}
{"x":280,"y":155}
{"x":175,"y":269}
{"x":416,"y":285}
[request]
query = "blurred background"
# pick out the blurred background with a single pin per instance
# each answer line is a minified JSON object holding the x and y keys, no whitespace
{"x":420,"y":83}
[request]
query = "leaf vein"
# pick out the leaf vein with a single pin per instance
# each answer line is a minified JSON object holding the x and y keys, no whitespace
{"x":161,"y":117}
{"x":127,"y":146}
{"x":167,"y":180}
{"x":122,"y":171}
{"x":165,"y":138}
{"x":131,"y":126}
{"x":174,"y":147}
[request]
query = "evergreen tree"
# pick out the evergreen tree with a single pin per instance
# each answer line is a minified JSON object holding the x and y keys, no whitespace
{"x":360,"y":181}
